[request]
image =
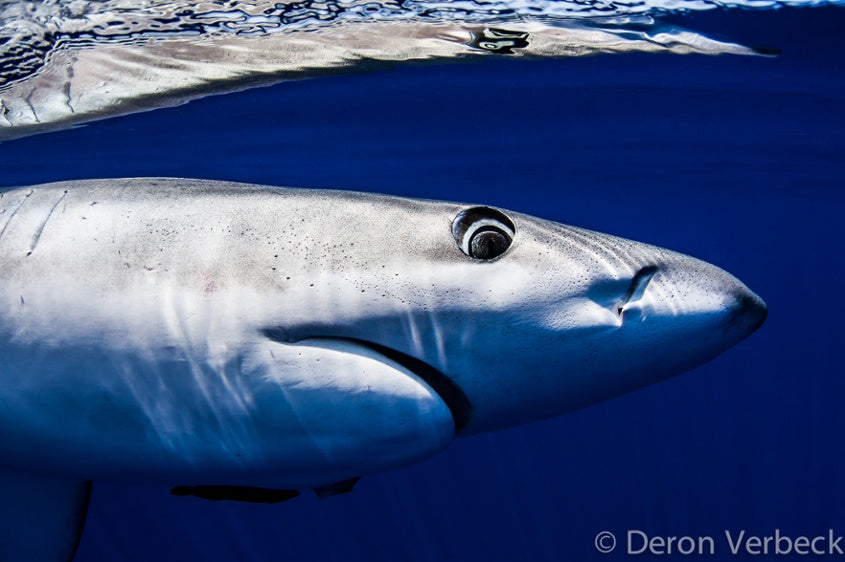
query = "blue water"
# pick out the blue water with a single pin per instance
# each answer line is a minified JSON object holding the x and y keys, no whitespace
{"x":736,"y":160}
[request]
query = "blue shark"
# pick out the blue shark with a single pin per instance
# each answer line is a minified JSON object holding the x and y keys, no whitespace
{"x":245,"y":342}
{"x":65,"y":63}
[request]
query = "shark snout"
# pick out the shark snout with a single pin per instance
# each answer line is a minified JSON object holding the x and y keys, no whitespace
{"x":704,"y":303}
{"x":686,"y":305}
{"x":749,"y":312}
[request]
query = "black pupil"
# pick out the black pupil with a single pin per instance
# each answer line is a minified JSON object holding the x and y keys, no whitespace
{"x":488,"y":243}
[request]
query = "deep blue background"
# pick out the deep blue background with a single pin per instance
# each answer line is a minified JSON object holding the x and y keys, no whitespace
{"x":736,"y":160}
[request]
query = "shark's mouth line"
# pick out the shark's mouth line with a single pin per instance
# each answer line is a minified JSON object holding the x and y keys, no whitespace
{"x":451,"y":394}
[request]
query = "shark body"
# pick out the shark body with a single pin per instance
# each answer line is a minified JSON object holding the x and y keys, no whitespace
{"x":238,"y":342}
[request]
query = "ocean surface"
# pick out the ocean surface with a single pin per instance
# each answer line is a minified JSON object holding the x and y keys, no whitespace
{"x":738,"y":160}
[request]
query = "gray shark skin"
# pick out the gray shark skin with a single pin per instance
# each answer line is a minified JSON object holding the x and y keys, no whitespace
{"x":65,"y":63}
{"x":243,"y":342}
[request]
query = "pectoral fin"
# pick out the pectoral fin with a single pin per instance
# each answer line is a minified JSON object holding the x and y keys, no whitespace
{"x":249,"y":494}
{"x":41,"y":518}
{"x":336,"y":488}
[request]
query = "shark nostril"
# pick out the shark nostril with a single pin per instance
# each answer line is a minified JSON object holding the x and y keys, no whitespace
{"x":637,"y":287}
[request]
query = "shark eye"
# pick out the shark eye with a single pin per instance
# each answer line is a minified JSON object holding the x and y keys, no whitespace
{"x":483,"y":233}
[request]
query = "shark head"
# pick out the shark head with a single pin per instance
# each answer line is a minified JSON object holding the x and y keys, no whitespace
{"x":511,"y":318}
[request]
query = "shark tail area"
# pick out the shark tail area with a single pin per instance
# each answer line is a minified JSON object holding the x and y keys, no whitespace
{"x":41,"y":517}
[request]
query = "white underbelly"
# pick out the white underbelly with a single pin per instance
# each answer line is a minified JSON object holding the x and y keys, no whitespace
{"x":268,"y":414}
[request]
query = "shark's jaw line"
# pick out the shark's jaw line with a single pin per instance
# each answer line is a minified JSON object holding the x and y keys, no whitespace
{"x":451,"y":394}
